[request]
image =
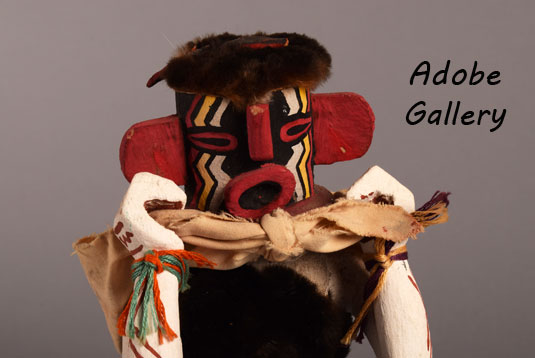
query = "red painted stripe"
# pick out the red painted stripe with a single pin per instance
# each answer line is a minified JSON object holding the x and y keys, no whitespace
{"x":198,"y":182}
{"x":118,"y":228}
{"x":414,"y":284}
{"x":152,"y":350}
{"x":136,"y":250}
{"x":148,"y":346}
{"x":309,"y":165}
{"x":134,"y":350}
{"x":190,"y":110}
{"x":429,"y":344}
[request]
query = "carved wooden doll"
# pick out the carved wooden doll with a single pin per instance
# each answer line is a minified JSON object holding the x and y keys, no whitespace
{"x":285,"y":262}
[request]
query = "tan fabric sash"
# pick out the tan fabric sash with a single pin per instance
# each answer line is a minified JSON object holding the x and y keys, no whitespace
{"x":231,"y":242}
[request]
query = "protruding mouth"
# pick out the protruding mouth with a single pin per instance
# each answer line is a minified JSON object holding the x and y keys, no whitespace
{"x":259,"y":192}
{"x":260,"y":195}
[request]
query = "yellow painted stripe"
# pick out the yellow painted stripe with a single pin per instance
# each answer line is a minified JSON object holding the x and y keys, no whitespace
{"x":201,"y":116}
{"x":303,"y":166}
{"x":303,"y":94}
{"x":208,"y":182}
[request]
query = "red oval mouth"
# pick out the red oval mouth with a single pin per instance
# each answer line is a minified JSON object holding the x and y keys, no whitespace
{"x":259,"y":192}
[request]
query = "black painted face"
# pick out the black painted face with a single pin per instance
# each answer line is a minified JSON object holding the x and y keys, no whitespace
{"x":248,"y":162}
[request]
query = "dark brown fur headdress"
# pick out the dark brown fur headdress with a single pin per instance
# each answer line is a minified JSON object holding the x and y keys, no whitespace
{"x":245,"y":69}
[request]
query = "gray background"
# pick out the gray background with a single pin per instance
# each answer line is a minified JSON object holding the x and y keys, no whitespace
{"x":72,"y":77}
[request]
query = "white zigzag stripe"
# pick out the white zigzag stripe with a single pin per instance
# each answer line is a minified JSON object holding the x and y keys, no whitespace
{"x":291,"y":98}
{"x":221,"y":181}
{"x":216,"y":121}
{"x":292,"y":166}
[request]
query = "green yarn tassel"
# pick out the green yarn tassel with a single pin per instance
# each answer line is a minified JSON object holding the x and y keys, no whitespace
{"x":146,"y":294}
{"x":144,"y":275}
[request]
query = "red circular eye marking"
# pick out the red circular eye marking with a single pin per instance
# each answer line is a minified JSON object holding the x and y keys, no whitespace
{"x":223,"y":142}
{"x":267,"y":173}
{"x":304,"y":122}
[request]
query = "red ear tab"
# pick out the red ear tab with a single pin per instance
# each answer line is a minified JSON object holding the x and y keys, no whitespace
{"x":343,"y":126}
{"x":155,"y":146}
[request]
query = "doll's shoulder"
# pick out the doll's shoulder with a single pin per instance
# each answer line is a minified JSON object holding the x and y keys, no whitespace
{"x":377,"y":185}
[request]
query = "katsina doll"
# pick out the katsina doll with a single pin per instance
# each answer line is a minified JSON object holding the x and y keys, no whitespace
{"x":253,"y":258}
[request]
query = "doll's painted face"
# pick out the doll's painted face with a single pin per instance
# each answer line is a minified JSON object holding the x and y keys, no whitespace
{"x":247,"y":162}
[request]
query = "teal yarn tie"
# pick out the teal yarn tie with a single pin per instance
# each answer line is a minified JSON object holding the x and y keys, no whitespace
{"x":146,"y":295}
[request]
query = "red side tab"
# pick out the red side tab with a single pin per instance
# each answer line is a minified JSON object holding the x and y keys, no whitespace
{"x":259,"y":132}
{"x":155,"y":146}
{"x":343,"y":126}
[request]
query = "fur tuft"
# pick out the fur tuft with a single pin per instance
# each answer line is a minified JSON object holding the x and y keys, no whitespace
{"x":231,"y":66}
{"x":247,"y":313}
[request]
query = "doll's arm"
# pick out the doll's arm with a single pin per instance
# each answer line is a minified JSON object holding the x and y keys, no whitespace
{"x":153,"y":246}
{"x":397,"y":324}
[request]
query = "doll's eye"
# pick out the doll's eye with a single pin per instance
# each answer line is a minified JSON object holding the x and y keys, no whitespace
{"x":294,"y":130}
{"x":285,"y":109}
{"x":213,"y":141}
